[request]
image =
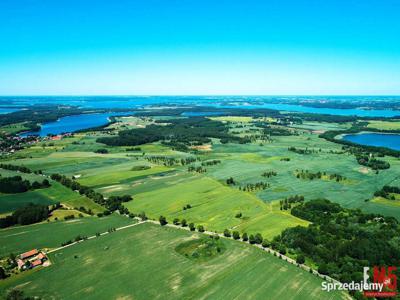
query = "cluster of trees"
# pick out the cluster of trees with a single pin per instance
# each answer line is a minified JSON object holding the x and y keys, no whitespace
{"x":187,"y":206}
{"x":32,"y":213}
{"x":301,"y":151}
{"x":277,"y":131}
{"x":211,"y":162}
{"x":341,"y":241}
{"x":371,"y":162}
{"x":387,"y":192}
{"x":305,"y":174}
{"x":171,"y":161}
{"x":252,"y":187}
{"x":269,"y":174}
{"x":199,"y":169}
{"x":140,"y":168}
{"x":179,"y":133}
{"x":230,"y":181}
{"x":101,"y":151}
{"x":133,"y":149}
{"x":286,"y":204}
{"x":15,"y":184}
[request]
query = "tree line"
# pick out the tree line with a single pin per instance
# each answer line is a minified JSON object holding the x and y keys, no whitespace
{"x":29,"y":214}
{"x":16,"y":184}
{"x":112,"y":203}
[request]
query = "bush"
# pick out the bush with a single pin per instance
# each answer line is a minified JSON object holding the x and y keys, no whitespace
{"x":323,"y":269}
{"x":101,"y":151}
{"x":227,"y":233}
{"x":175,"y":221}
{"x":200,"y":228}
{"x":163,"y":220}
{"x":236,"y":235}
{"x":142,"y":216}
{"x":265,"y":243}
{"x":69,"y":217}
{"x":252,"y":239}
{"x":245,"y":238}
{"x":300,"y":259}
{"x":183,"y":223}
{"x":258,"y":239}
{"x":192,"y":227}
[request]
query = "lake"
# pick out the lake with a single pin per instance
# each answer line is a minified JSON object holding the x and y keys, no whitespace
{"x":7,"y":110}
{"x":391,"y":141}
{"x":243,"y":102}
{"x":318,"y":110}
{"x":74,"y":123}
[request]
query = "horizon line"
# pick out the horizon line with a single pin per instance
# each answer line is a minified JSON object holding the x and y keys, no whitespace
{"x":201,"y":95}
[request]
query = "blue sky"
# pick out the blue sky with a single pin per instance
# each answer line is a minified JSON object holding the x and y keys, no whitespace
{"x":199,"y":47}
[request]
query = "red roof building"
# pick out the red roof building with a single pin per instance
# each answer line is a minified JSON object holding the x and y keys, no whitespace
{"x":20,"y":263}
{"x":41,"y":256}
{"x":29,"y":254}
{"x":36,"y":263}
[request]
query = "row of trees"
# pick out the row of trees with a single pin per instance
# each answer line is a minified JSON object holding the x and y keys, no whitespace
{"x":252,"y":187}
{"x":199,"y":169}
{"x":113,"y":203}
{"x":305,"y":174}
{"x":212,"y":162}
{"x":269,"y":174}
{"x":171,"y":161}
{"x":22,"y":169}
{"x":301,"y":151}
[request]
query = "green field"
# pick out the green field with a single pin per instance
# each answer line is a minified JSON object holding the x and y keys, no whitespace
{"x":214,"y":206}
{"x":384,"y":125}
{"x":19,"y":239}
{"x":145,"y":265}
{"x":13,"y":128}
{"x":55,"y":193}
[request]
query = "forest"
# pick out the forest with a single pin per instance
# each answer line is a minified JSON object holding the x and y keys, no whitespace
{"x":29,"y":214}
{"x":341,"y":241}
{"x":15,"y":184}
{"x":179,"y":133}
